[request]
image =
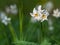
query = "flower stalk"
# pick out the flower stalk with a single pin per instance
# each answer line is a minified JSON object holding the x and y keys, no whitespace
{"x":21,"y":19}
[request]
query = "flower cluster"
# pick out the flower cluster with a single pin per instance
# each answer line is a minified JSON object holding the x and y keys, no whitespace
{"x":39,"y":14}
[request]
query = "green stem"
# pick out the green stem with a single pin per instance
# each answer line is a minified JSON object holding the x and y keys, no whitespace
{"x":42,"y":32}
{"x":14,"y":36}
{"x":21,"y":19}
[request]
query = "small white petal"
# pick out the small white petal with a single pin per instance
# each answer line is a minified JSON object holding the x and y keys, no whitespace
{"x":32,"y":14}
{"x":39,"y":7}
{"x":34,"y":11}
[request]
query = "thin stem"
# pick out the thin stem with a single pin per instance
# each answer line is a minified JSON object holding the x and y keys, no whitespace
{"x":14,"y":36}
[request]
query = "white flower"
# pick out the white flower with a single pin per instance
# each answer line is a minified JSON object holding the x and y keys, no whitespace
{"x":4,"y":19}
{"x":48,"y":6}
{"x":13,"y":9}
{"x":56,"y":13}
{"x":44,"y":15}
{"x":35,"y":14}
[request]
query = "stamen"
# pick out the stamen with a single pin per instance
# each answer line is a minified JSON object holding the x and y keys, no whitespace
{"x":36,"y":15}
{"x":43,"y":16}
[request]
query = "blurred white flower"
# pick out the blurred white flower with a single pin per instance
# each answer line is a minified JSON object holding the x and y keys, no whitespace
{"x":48,"y":6}
{"x":39,"y":14}
{"x":51,"y":28}
{"x":12,"y":9}
{"x":44,"y":15}
{"x":56,"y":13}
{"x":4,"y":19}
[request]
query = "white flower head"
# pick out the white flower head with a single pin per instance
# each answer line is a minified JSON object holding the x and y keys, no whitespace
{"x":4,"y":19}
{"x":13,"y":9}
{"x":44,"y":15}
{"x":35,"y":14}
{"x":56,"y":13}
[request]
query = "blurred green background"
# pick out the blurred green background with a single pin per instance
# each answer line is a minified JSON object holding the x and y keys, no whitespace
{"x":31,"y":31}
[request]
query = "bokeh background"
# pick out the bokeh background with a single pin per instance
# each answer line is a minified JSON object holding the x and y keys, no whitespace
{"x":31,"y":30}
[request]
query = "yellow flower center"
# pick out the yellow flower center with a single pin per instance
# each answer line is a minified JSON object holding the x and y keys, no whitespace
{"x":36,"y":15}
{"x":43,"y":16}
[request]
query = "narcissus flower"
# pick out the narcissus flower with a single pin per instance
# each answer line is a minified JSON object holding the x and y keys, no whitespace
{"x":39,"y":14}
{"x":44,"y":15}
{"x":35,"y":14}
{"x":56,"y":13}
